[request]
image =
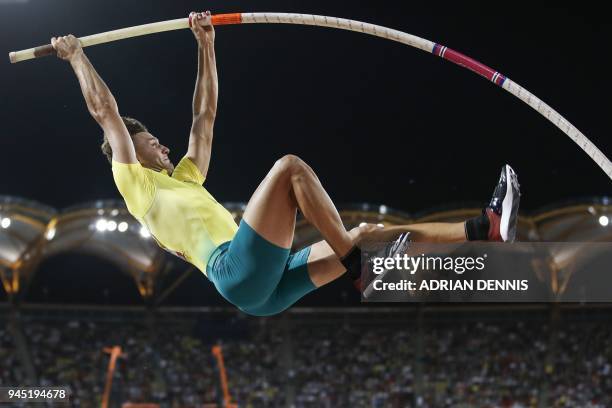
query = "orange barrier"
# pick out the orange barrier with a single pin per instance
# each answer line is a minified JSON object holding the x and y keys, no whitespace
{"x":115,"y":353}
{"x":227,"y":399}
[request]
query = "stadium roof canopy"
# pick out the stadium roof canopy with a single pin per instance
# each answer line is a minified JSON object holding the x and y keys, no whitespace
{"x":31,"y":232}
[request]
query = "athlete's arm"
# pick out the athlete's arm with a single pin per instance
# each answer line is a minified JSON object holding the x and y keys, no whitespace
{"x":205,"y":95}
{"x":100,"y":102}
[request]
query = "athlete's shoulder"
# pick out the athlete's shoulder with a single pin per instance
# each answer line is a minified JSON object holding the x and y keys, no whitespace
{"x":187,"y":171}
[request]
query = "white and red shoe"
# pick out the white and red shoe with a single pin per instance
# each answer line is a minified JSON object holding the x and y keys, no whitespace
{"x":502,"y":211}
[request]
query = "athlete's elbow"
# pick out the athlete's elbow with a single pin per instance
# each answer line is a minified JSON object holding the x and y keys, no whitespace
{"x":205,"y":120}
{"x":211,"y":111}
{"x":206,"y":113}
{"x":102,"y":110}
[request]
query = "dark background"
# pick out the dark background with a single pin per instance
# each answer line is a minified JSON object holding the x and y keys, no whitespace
{"x":378,"y":121}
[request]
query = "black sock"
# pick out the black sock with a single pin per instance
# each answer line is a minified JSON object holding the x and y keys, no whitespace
{"x":477,"y":228}
{"x":352,"y":263}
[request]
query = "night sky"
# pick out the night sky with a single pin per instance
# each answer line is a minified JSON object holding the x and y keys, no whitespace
{"x":378,"y":121}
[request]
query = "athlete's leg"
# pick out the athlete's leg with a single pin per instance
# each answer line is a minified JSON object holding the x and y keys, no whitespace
{"x":436,"y":232}
{"x":324,"y":266}
{"x":317,"y":265}
{"x":498,"y":223}
{"x":256,"y":272}
{"x":292,"y":184}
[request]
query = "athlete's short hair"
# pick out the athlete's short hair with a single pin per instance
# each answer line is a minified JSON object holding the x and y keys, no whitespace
{"x":133,"y":126}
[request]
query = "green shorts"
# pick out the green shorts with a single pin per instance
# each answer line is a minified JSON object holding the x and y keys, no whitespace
{"x":257,"y":276}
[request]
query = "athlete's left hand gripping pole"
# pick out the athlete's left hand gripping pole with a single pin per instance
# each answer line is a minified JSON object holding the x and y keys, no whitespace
{"x":123,"y":33}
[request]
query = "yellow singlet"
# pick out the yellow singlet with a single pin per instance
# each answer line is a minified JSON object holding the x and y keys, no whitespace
{"x":178,"y":211}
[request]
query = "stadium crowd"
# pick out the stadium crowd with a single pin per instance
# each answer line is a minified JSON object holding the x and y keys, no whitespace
{"x":462,"y":363}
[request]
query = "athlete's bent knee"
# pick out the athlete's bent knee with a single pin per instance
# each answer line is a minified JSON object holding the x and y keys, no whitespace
{"x":293,"y":167}
{"x":288,"y":162}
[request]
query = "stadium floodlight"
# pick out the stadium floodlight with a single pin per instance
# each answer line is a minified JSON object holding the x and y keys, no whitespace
{"x":123,"y":226}
{"x":111,"y":226}
{"x":5,"y":223}
{"x":101,"y":225}
{"x":144,"y":232}
{"x":604,"y":221}
{"x":383,"y":209}
{"x":50,"y":234}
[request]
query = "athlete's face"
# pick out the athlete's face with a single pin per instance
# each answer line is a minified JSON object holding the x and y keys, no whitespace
{"x":152,"y":154}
